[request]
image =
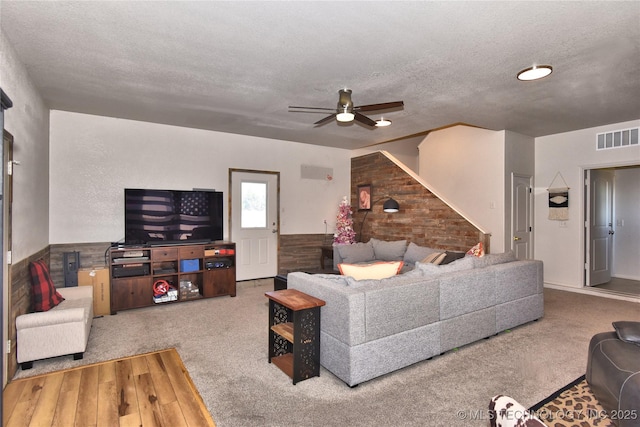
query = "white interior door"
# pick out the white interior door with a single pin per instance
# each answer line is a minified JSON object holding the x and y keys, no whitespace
{"x":521,"y":216}
{"x":600,"y":226}
{"x":255,"y":222}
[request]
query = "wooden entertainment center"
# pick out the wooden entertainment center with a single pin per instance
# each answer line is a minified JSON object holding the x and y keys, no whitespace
{"x":139,"y":274}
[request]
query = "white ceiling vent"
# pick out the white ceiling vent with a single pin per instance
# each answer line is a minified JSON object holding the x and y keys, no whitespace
{"x":617,"y":139}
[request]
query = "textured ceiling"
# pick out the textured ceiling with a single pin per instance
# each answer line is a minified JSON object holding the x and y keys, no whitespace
{"x":237,"y":66}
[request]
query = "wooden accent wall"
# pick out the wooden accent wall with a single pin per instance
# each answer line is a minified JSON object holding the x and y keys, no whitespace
{"x":20,"y":302}
{"x":300,"y":252}
{"x":423,"y":218}
{"x":91,"y":255}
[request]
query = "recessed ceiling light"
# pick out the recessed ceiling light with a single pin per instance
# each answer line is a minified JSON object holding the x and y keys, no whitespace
{"x":534,"y":73}
{"x":383,"y":122}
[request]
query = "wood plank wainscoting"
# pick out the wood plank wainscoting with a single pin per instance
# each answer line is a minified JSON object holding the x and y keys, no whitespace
{"x":20,"y":301}
{"x":299,"y":252}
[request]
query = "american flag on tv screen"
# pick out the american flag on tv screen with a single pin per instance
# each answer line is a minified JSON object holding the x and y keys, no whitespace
{"x":165,"y":215}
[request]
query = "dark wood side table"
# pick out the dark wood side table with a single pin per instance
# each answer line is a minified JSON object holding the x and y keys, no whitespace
{"x":326,"y":251}
{"x":294,"y":333}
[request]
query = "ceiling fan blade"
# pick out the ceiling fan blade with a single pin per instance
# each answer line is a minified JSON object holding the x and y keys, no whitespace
{"x":364,"y":119}
{"x":313,"y":108}
{"x":383,"y":106}
{"x":326,"y":120}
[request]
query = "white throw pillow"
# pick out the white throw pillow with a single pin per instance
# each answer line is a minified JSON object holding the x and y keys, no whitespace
{"x":377,"y":270}
{"x":434,"y":258}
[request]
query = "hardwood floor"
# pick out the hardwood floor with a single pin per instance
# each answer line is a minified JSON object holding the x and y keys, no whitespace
{"x":152,"y":389}
{"x":623,"y":286}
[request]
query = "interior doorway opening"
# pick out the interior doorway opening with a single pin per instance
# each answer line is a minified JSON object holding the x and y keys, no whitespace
{"x":621,"y":228}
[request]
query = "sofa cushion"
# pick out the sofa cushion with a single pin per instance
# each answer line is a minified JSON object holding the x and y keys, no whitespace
{"x":415,"y":253}
{"x":399,"y":304}
{"x":493,"y":259}
{"x":376,"y":270}
{"x":628,"y":331}
{"x":465,"y":263}
{"x":357,"y":252}
{"x":389,"y":251}
{"x":44,"y":294}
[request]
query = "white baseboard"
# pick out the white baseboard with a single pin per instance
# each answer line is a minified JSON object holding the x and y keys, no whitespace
{"x":603,"y":293}
{"x":622,"y":276}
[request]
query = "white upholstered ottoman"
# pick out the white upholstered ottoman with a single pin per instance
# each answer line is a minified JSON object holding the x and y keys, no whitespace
{"x":62,"y":330}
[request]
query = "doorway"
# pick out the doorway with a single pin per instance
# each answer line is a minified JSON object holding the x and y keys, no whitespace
{"x":612,"y":229}
{"x":255,"y":222}
{"x":6,"y":200}
{"x":521,"y":213}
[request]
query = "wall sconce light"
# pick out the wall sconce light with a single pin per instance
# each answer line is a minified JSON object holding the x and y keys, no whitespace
{"x":390,"y":206}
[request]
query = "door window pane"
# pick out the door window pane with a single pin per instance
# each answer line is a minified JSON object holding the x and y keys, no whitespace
{"x":254,"y":205}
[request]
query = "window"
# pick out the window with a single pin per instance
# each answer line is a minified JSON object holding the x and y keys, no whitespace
{"x":254,"y":205}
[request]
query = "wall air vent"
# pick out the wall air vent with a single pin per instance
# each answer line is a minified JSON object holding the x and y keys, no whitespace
{"x":617,"y":139}
{"x":317,"y":172}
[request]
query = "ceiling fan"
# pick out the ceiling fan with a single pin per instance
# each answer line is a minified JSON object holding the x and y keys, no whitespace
{"x":346,"y":112}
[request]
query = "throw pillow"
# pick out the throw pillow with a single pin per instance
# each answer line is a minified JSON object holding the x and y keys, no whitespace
{"x":389,"y":251}
{"x":434,"y":258}
{"x":45,"y":296}
{"x":377,"y":270}
{"x":504,"y":411}
{"x":415,"y":253}
{"x":628,"y":331}
{"x":477,"y":250}
{"x":452,"y":256}
{"x":357,"y":252}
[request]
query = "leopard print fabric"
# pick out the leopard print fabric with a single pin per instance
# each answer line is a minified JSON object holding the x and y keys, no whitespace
{"x":575,"y":407}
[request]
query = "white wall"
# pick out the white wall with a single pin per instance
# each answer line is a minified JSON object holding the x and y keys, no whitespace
{"x":626,"y":241}
{"x":465,"y":166}
{"x":405,"y":150}
{"x":94,"y":158}
{"x":28,"y":122}
{"x":561,"y":247}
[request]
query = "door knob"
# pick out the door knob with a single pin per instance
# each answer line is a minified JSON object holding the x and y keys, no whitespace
{"x":274,"y":231}
{"x":516,"y":238}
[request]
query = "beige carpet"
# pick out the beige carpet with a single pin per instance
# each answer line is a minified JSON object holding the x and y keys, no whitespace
{"x":223,"y":344}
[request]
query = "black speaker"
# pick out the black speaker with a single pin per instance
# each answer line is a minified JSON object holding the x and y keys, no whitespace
{"x":70,"y":266}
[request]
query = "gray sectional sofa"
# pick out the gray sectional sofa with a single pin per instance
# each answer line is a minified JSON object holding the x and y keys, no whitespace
{"x":372,"y":327}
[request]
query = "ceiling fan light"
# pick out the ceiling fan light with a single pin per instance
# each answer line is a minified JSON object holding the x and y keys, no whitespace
{"x":383,"y":122}
{"x":534,"y":73}
{"x":345,"y":117}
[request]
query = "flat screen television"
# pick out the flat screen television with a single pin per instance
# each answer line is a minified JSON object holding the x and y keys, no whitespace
{"x":172,"y":216}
